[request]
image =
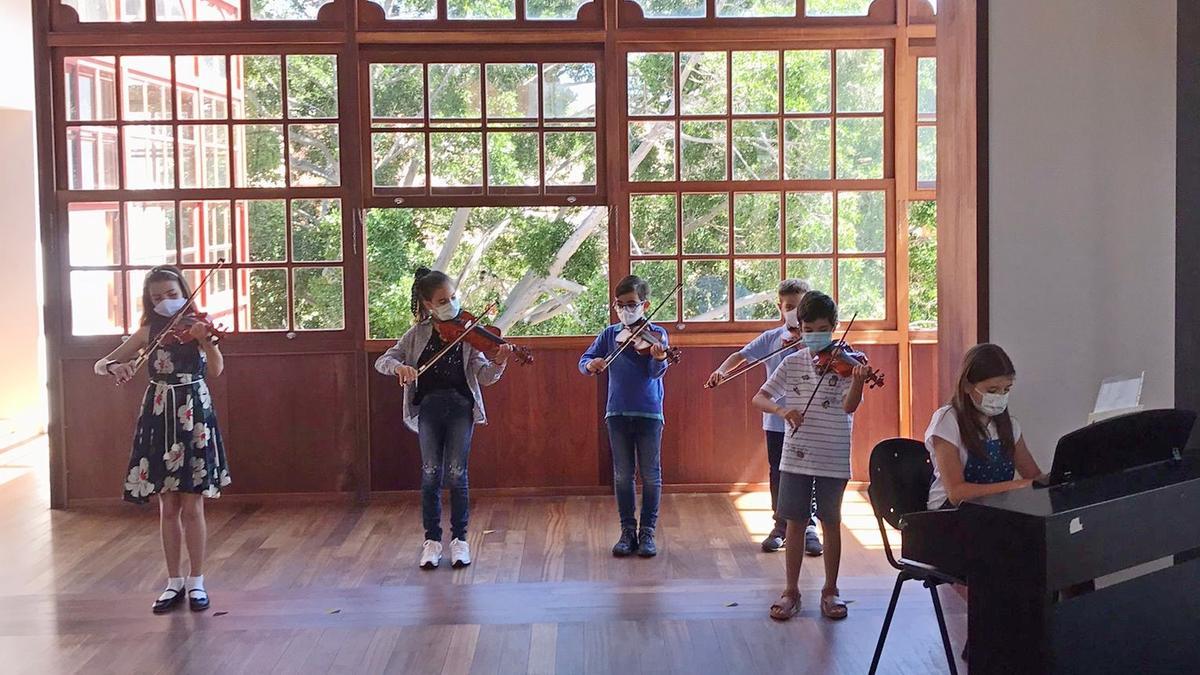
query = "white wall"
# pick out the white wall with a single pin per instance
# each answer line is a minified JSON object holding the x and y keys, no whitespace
{"x":1082,"y":202}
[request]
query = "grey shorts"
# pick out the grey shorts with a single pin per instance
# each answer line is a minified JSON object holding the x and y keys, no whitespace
{"x":796,"y":495}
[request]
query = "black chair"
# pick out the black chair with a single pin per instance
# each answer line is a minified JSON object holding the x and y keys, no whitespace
{"x":900,"y":477}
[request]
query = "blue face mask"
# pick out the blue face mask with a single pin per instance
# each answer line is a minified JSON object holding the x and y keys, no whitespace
{"x":817,"y":341}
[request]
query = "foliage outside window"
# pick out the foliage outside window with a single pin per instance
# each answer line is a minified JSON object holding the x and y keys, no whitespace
{"x":922,"y":265}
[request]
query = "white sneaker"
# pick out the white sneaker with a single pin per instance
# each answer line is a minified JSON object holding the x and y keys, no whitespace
{"x":460,"y":553}
{"x":431,"y":554}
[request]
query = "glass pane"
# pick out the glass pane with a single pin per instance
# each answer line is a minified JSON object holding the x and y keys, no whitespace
{"x":259,"y":155}
{"x":88,"y":88}
{"x":313,"y":154}
{"x":398,"y":160}
{"x":204,"y":235}
{"x":513,"y":159}
{"x":861,"y":222}
{"x":756,"y":8}
{"x":456,"y":159}
{"x":926,"y":156}
{"x":706,"y":223}
{"x":926,"y":89}
{"x":860,"y":147}
{"x":571,"y":158}
{"x":703,"y":153}
{"x":150,"y":233}
{"x":808,"y":152}
{"x":650,"y":83}
{"x":92,"y":234}
{"x":809,"y":222}
{"x":266,"y":307}
{"x":316,"y":230}
{"x":134,"y":282}
{"x":481,"y":9}
{"x":818,"y":272}
{"x":454,"y":91}
{"x":261,"y":229}
{"x":96,"y":307}
{"x":661,"y":276}
{"x":652,"y":224}
{"x":409,"y":9}
{"x":149,"y":157}
{"x":806,"y":81}
{"x":922,"y":265}
{"x":706,"y":290}
{"x":397,"y":91}
{"x":147,"y":85}
{"x":836,"y":7}
{"x":285,"y":10}
{"x":319,"y":296}
{"x":756,"y":222}
{"x":201,"y":10}
{"x":201,"y":84}
{"x":103,"y":11}
{"x":565,"y":10}
{"x":672,"y":9}
{"x":755,"y":150}
{"x":92,"y":158}
{"x":203,"y":156}
{"x":755,"y":290}
{"x":704,"y":83}
{"x":512,"y":91}
{"x":755,"y":82}
{"x":860,"y":80}
{"x":651,"y":151}
{"x":257,"y":89}
{"x":568,"y":90}
{"x":312,"y":89}
{"x":216,"y":299}
{"x":862,"y":288}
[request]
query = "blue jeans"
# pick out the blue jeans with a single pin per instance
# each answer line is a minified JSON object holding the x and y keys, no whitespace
{"x":445,"y":426}
{"x":636,"y":439}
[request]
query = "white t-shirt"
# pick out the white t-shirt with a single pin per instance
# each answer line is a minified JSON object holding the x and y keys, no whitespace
{"x":821,"y":447}
{"x":944,"y":425}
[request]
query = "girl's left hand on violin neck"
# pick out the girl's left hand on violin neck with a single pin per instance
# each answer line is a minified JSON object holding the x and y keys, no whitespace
{"x":501,"y":353}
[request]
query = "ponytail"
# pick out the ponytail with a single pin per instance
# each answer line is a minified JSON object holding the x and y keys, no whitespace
{"x":425,"y":282}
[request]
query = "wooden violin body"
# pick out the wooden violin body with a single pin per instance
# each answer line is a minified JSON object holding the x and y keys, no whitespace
{"x":486,"y":339}
{"x":841,"y":359}
{"x":181,"y":332}
{"x":646,"y":340}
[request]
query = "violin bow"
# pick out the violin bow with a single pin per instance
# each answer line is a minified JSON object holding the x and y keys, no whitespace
{"x":633,"y":335}
{"x":144,"y":353}
{"x":840,"y":344}
{"x":467,"y":328}
{"x":751,"y":365}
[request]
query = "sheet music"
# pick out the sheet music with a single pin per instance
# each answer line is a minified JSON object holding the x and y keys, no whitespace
{"x":1118,"y":395}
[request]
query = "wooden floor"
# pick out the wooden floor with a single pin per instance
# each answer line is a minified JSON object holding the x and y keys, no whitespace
{"x":330,"y":587}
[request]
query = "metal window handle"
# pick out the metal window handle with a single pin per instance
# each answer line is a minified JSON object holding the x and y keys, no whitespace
{"x":291,"y":335}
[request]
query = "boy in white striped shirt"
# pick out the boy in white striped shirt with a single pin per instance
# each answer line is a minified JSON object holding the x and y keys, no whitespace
{"x":816,"y":452}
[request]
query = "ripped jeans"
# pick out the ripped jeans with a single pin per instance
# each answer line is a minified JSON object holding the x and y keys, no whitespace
{"x":447,"y":420}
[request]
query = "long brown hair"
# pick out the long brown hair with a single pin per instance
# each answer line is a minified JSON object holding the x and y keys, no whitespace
{"x":982,"y":362}
{"x":425,"y":282}
{"x":160,"y":273}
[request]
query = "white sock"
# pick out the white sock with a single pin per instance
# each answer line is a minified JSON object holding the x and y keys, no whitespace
{"x":195,"y":583}
{"x":174,"y":584}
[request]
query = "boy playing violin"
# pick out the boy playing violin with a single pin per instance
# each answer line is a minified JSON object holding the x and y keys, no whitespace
{"x":634,"y":413}
{"x":816,"y":452}
{"x":791,"y":292}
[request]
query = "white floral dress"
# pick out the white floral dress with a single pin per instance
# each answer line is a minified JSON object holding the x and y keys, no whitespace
{"x":177,"y":445}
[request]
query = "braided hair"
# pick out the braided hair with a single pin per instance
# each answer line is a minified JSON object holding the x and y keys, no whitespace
{"x":425,"y":282}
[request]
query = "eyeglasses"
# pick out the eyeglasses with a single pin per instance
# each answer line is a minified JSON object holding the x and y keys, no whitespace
{"x":626,"y":305}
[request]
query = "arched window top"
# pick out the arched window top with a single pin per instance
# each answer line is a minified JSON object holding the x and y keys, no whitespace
{"x":687,"y":12}
{"x":485,"y":10}
{"x":200,"y":11}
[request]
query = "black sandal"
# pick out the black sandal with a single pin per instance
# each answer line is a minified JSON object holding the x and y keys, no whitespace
{"x":198,"y":604}
{"x":164,"y":605}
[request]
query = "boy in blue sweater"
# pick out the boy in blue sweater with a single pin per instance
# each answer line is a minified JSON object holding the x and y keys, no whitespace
{"x":634,"y":415}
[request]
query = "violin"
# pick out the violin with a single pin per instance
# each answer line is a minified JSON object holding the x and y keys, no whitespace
{"x":466,"y":327}
{"x":841,"y":359}
{"x":645,"y":340}
{"x":181,"y":332}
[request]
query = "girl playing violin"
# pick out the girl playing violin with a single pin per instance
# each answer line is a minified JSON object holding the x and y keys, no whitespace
{"x":442,"y":405}
{"x":177,"y":449}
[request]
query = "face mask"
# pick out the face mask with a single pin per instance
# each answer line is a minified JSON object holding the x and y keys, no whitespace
{"x":630,"y":315}
{"x":791,"y":318}
{"x":447,"y":311}
{"x":169,"y":306}
{"x":992,"y":404}
{"x":817,"y":341}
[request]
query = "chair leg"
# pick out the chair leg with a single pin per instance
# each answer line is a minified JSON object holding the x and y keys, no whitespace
{"x":887,"y":621}
{"x":941,"y":618}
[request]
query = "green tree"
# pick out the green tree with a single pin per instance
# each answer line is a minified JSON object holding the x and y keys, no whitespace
{"x":922,"y":265}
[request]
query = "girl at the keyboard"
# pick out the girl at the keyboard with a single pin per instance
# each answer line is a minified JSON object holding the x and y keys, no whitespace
{"x":975,"y":444}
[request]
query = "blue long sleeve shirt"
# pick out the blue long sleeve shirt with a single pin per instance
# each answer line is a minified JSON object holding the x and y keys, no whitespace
{"x":635,"y":387}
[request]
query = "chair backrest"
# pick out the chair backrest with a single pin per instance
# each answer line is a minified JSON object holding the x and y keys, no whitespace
{"x":901,"y":474}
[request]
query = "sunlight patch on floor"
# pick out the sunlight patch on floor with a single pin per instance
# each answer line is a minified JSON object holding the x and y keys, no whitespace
{"x":858,"y":519}
{"x":755,"y":511}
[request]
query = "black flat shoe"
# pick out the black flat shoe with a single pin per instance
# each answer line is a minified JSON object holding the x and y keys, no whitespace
{"x":198,"y":599}
{"x":646,"y":547}
{"x":165,"y":605}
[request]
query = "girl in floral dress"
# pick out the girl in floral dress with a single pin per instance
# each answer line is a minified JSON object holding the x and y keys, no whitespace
{"x":177,"y":450}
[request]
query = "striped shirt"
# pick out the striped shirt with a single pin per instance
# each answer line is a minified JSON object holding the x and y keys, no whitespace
{"x":821,"y":447}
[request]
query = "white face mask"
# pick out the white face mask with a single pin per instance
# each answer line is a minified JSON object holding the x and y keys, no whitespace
{"x":447,"y":311}
{"x":630,"y":315}
{"x":169,"y":306}
{"x":991,"y":404}
{"x":791,"y":318}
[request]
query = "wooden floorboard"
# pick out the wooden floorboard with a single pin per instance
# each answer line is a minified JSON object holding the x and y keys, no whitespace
{"x":328,"y":588}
